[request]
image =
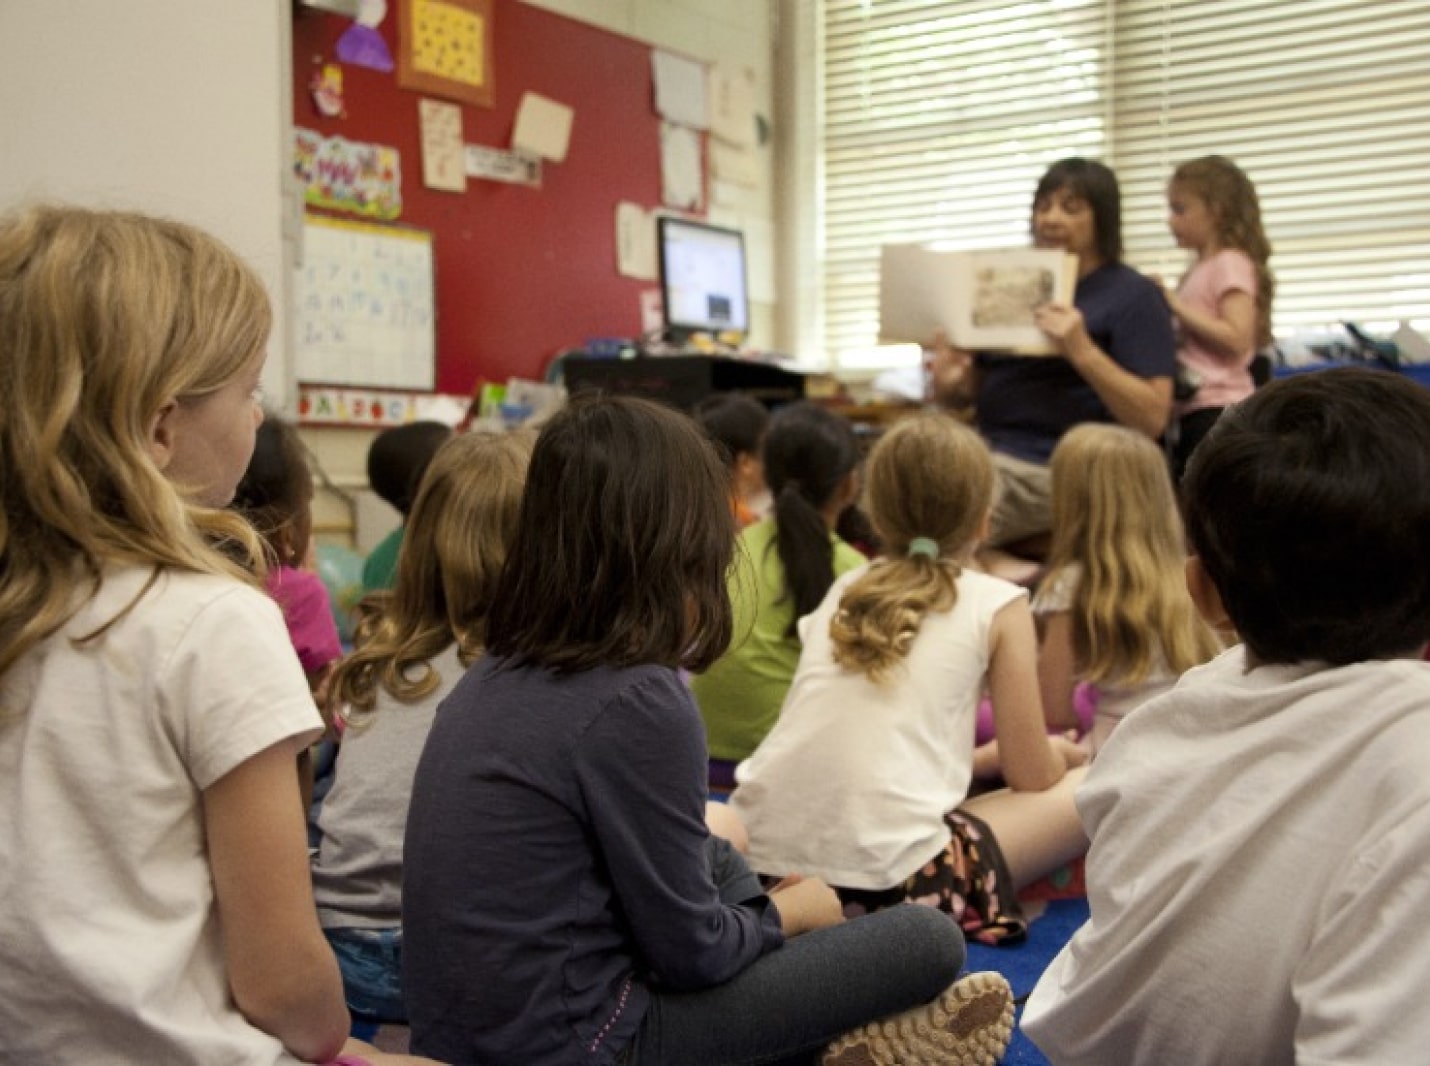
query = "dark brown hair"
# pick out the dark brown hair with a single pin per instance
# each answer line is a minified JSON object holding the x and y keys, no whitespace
{"x":1308,"y":505}
{"x":623,"y":544}
{"x":1097,"y":184}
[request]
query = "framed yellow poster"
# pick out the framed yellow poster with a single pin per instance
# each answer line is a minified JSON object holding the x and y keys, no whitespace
{"x":445,"y":49}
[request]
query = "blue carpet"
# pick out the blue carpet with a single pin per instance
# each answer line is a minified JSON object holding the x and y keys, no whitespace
{"x":1023,"y":964}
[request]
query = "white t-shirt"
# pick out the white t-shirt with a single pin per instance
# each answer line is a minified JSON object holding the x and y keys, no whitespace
{"x":1259,"y":875}
{"x":109,"y":939}
{"x":852,"y":783}
{"x":1114,"y":701}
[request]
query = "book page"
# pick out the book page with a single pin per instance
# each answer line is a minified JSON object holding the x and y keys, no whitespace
{"x":982,"y":300}
{"x":920,"y":290}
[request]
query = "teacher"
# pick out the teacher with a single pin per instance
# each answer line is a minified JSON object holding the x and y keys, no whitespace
{"x":1116,"y":362}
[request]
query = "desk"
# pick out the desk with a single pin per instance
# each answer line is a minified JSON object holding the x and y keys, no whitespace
{"x":684,"y":380}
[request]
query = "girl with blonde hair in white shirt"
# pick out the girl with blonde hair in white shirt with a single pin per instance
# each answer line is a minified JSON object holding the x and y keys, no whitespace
{"x":864,"y":779}
{"x":154,"y":896}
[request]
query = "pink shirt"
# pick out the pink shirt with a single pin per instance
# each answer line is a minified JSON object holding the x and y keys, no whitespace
{"x":1225,"y":379}
{"x":309,"y":614}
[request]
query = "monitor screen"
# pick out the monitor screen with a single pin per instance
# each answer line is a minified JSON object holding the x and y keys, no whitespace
{"x":702,"y":278}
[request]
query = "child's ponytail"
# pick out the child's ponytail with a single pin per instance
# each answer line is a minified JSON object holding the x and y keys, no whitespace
{"x":809,"y":452}
{"x":881,"y":612}
{"x":930,"y":491}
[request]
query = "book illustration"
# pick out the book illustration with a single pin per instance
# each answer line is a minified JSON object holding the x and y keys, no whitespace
{"x":1006,"y":296}
{"x":981,"y":300}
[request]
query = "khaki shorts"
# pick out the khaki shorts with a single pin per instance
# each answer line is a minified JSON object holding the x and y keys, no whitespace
{"x":1024,"y":506}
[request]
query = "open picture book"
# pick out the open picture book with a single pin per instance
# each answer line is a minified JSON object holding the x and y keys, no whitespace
{"x":982,"y":300}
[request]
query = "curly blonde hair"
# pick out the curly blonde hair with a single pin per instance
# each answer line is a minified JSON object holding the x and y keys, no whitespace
{"x":106,"y":317}
{"x":929,"y":477}
{"x":1116,"y":523}
{"x":462,"y":523}
{"x":1231,"y":198}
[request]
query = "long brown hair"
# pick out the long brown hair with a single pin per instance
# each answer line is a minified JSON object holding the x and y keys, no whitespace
{"x":105,"y":317}
{"x":1231,"y":198}
{"x":623,"y":544}
{"x":456,"y":542}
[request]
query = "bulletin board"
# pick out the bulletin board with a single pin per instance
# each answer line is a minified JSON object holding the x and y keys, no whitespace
{"x":366,"y":306}
{"x":521,"y":272}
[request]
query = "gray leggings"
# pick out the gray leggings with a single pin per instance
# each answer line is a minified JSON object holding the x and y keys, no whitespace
{"x":786,"y":1006}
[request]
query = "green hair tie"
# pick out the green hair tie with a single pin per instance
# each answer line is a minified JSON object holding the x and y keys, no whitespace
{"x":923,"y":546}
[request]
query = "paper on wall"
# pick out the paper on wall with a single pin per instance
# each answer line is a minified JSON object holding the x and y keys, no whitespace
{"x":635,"y":241}
{"x":543,"y":127}
{"x":441,"y":132}
{"x":497,"y":164}
{"x":734,"y":164}
{"x":732,"y":104}
{"x":681,"y":178}
{"x":680,"y":90}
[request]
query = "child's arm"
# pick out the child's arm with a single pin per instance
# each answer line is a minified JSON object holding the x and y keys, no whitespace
{"x":806,"y":904}
{"x":1030,"y":763}
{"x":1057,"y":671}
{"x":1230,"y":331}
{"x":281,"y":971}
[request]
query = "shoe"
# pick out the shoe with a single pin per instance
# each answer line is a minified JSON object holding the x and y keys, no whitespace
{"x":969,"y":1024}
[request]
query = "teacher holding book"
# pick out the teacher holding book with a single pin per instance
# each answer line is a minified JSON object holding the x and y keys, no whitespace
{"x":1115,"y":363}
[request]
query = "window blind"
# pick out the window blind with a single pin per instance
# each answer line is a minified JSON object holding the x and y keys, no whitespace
{"x":939,"y":118}
{"x":1326,"y":106}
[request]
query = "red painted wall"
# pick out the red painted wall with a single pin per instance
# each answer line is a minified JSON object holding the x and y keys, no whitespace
{"x":521,"y":273}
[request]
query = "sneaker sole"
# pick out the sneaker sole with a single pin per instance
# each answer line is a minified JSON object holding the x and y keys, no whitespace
{"x":969,"y":1024}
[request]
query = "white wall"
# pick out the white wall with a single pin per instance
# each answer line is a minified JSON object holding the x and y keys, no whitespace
{"x":175,"y":108}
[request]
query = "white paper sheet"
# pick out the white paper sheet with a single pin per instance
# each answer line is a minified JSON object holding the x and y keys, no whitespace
{"x":681,"y":92}
{"x":543,"y":127}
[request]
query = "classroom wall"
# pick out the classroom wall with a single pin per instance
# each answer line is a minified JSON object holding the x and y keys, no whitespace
{"x":744,"y":32}
{"x":177,"y":109}
{"x":508,"y":342}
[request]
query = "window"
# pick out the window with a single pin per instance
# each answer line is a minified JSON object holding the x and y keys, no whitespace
{"x":938,"y":118}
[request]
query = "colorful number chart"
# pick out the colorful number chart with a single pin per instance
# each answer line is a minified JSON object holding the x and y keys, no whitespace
{"x":366,"y":314}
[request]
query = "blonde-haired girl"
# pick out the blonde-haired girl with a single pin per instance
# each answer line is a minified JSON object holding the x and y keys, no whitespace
{"x":155,"y":904}
{"x":1223,"y":302}
{"x":864,"y":778}
{"x":1113,"y":608}
{"x":413,"y":645}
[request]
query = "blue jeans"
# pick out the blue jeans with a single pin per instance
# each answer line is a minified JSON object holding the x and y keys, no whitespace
{"x":371,"y":962}
{"x":790,"y":1003}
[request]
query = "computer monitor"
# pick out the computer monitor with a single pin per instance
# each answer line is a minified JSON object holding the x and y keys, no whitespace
{"x":702,"y":279}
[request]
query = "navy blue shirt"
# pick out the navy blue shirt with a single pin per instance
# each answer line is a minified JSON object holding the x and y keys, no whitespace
{"x":1026,"y":403}
{"x":555,"y":866}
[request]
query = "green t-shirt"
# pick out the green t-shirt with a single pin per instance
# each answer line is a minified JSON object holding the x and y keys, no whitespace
{"x":740,"y":695}
{"x":379,"y":570}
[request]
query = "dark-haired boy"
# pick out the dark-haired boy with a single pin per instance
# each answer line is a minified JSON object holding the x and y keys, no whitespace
{"x":1260,"y":867}
{"x":736,"y":423}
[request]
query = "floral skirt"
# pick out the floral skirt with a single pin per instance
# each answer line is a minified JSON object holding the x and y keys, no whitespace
{"x":967,"y":880}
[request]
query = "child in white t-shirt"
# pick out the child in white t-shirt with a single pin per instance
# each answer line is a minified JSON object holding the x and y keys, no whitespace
{"x":154,"y":895}
{"x":1258,"y":876}
{"x":864,"y":778}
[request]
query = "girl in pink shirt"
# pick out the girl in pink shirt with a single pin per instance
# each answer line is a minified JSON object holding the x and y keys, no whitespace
{"x":1223,"y":303}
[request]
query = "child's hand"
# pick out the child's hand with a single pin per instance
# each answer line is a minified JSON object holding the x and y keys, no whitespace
{"x":1066,"y":746}
{"x":806,"y":904}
